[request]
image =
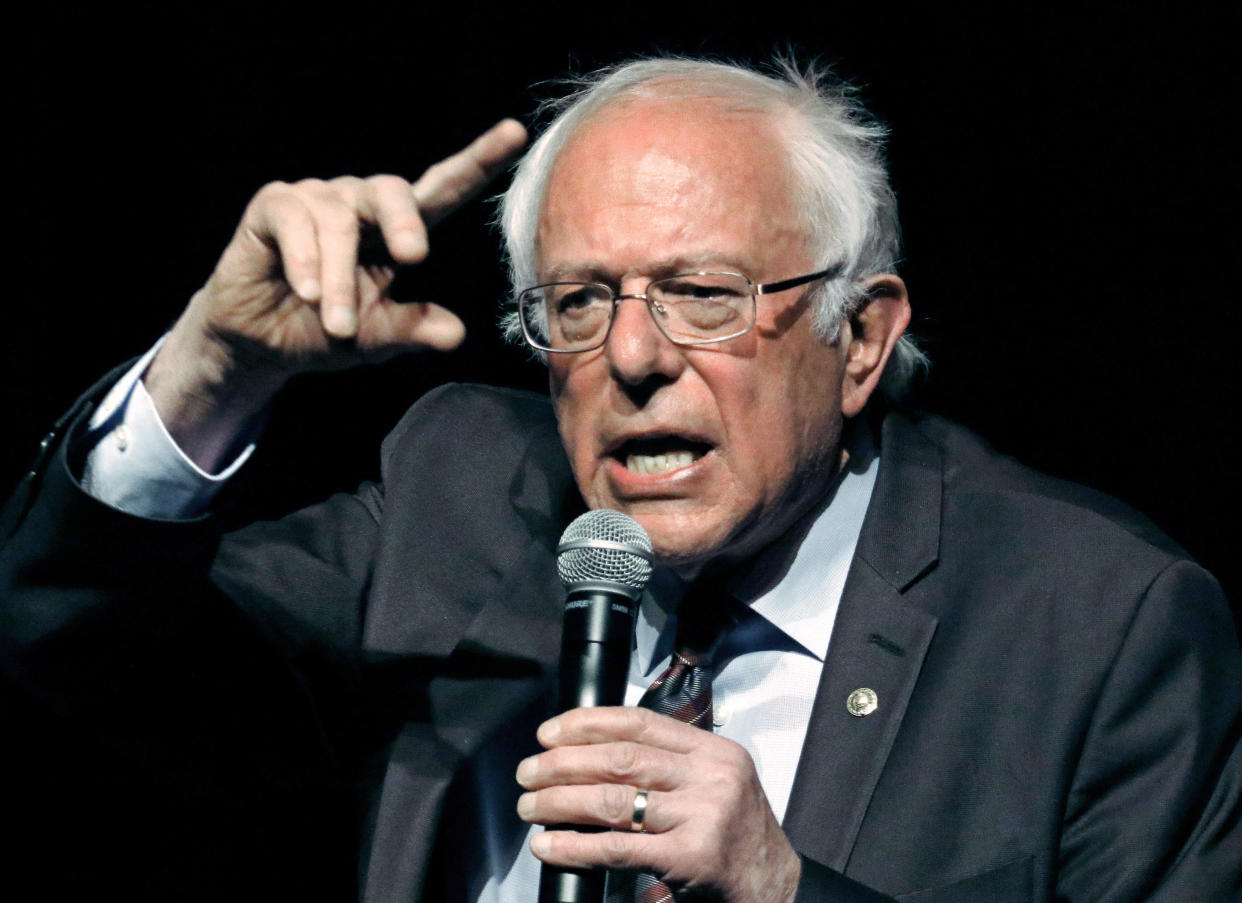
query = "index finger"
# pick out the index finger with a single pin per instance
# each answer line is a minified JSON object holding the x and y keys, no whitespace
{"x":447,"y":185}
{"x":608,"y":724}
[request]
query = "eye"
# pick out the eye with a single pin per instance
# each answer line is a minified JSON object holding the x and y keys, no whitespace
{"x":703,"y":305}
{"x":576,"y":300}
{"x":702,"y":287}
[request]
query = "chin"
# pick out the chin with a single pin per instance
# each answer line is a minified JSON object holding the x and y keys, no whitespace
{"x":684,"y":535}
{"x":681,"y":548}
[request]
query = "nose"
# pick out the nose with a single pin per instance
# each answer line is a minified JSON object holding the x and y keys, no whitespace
{"x":637,"y":351}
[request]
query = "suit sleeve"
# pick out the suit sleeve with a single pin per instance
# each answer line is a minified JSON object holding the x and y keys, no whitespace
{"x":1152,"y":813}
{"x":98,"y":602}
{"x":167,"y":723}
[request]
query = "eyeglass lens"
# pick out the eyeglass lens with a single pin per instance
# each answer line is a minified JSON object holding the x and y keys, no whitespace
{"x":700,"y":307}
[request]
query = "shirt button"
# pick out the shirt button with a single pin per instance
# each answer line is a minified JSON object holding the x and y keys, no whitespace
{"x":862,"y":701}
{"x":121,"y":434}
{"x":721,"y":713}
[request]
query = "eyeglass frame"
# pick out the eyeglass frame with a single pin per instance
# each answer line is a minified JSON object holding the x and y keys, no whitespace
{"x":756,"y":289}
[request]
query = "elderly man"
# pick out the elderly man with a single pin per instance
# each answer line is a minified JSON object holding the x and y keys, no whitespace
{"x":936,"y":675}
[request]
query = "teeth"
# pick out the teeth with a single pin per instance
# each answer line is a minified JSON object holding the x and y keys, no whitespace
{"x":656,"y":464}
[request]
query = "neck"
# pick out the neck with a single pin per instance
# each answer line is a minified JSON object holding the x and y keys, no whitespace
{"x":751,"y":576}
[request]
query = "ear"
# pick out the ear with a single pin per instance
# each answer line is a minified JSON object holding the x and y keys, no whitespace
{"x":869,"y":338}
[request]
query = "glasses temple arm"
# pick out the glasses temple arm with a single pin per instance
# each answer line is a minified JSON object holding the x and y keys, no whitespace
{"x":771,"y":288}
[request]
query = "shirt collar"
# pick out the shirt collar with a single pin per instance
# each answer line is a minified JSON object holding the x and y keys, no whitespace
{"x":803,"y":604}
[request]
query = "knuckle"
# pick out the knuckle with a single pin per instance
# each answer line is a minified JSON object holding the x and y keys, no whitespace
{"x":618,"y":804}
{"x":643,"y":723}
{"x":724,"y":775}
{"x":310,"y":186}
{"x":275,"y":199}
{"x":623,"y":761}
{"x":273,"y":189}
{"x":347,"y":190}
{"x":349,"y":183}
{"x":614,"y":849}
{"x":386,"y":182}
{"x":732,"y":763}
{"x":734,"y":759}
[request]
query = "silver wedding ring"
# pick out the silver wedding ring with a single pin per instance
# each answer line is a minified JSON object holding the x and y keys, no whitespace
{"x":640,"y":812}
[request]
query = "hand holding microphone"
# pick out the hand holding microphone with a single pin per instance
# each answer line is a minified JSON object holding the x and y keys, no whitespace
{"x":707,"y":828}
{"x":604,"y":561}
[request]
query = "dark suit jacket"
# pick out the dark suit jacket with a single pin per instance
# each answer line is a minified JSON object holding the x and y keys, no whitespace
{"x":1059,"y":687}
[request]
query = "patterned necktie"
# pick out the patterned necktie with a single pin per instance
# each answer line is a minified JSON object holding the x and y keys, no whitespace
{"x":684,"y":692}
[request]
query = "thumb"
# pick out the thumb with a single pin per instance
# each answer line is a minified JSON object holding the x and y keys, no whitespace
{"x":407,"y":326}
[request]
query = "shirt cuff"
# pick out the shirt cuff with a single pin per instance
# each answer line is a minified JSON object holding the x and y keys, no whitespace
{"x":134,"y":465}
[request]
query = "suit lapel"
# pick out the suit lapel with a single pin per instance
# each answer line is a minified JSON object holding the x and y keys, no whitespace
{"x":878,"y":644}
{"x":522,"y":617}
{"x":494,"y":645}
{"x":498,"y":669}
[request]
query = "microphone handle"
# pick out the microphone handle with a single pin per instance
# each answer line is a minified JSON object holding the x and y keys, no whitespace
{"x":595,"y":665}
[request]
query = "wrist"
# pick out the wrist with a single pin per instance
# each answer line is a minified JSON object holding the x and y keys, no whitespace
{"x":208,"y":391}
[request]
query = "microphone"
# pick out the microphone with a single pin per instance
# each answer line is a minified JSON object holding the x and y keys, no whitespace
{"x":604,"y":561}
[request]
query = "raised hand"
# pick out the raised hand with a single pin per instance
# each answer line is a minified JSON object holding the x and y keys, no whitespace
{"x":289,"y":293}
{"x":708,"y":831}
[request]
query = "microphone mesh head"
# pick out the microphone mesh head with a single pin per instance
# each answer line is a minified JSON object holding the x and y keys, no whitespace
{"x":606,"y":547}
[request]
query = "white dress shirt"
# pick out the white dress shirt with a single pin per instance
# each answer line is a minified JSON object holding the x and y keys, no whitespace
{"x":135,"y":466}
{"x":762,"y":693}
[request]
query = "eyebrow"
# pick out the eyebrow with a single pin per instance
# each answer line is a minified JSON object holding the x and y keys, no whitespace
{"x":596,"y":271}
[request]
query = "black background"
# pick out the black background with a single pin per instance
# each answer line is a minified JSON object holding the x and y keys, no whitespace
{"x":1066,"y":182}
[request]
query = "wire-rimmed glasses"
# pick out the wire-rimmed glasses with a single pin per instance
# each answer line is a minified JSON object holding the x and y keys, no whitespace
{"x":690,"y":309}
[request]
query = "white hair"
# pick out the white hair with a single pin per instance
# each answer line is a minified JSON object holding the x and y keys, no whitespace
{"x":836,"y":157}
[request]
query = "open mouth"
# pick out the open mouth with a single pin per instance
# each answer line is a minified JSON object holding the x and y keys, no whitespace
{"x":654,"y":455}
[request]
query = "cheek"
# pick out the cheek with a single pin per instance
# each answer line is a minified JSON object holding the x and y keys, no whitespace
{"x":818,"y":413}
{"x":569,"y":386}
{"x":576,"y":405}
{"x":797,"y":419}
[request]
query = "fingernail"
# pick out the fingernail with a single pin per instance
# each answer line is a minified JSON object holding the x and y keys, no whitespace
{"x":340,"y":322}
{"x":526,"y":805}
{"x":308,"y":289}
{"x":526,"y":771}
{"x":539,"y":844}
{"x":549,"y":732}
